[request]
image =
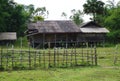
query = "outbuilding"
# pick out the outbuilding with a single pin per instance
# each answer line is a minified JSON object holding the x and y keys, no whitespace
{"x":92,"y":33}
{"x":7,"y":37}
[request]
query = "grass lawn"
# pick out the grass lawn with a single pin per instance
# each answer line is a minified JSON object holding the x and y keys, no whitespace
{"x":105,"y":71}
{"x":65,"y":74}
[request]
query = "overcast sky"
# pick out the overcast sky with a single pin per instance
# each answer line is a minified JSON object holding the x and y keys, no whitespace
{"x":56,"y":7}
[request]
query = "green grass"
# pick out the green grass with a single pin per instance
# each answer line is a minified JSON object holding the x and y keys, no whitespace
{"x":105,"y":71}
{"x":67,"y":74}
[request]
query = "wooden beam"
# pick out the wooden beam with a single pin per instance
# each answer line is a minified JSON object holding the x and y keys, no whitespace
{"x":55,"y":40}
{"x":66,"y":40}
{"x":43,"y":40}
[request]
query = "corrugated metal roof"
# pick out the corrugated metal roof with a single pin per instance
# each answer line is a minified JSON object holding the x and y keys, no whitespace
{"x":54,"y":26}
{"x":94,"y":30}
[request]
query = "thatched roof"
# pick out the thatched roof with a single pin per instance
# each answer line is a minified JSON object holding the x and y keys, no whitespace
{"x":8,"y":36}
{"x":64,"y":26}
{"x":92,"y":27}
{"x":54,"y":27}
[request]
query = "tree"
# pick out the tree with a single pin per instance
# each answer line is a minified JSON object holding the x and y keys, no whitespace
{"x":111,"y":4}
{"x":76,"y":16}
{"x":23,"y":14}
{"x":18,"y":20}
{"x":14,"y":17}
{"x":38,"y":14}
{"x":64,"y":15}
{"x":29,"y":11}
{"x":94,"y":7}
{"x":111,"y":21}
{"x":38,"y":18}
{"x":6,"y":8}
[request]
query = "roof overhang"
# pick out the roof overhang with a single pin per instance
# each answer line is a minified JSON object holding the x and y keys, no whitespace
{"x":50,"y":33}
{"x":94,"y":30}
{"x":8,"y":36}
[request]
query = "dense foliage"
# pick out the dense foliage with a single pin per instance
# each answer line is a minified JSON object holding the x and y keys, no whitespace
{"x":94,"y":7}
{"x":76,"y":16}
{"x":111,"y":21}
{"x":14,"y":17}
{"x":109,"y":17}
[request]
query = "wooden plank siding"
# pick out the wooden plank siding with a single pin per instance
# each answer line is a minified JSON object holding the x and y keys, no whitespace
{"x":91,"y":37}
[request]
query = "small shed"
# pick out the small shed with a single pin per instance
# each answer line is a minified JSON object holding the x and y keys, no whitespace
{"x":6,"y":37}
{"x":92,"y":32}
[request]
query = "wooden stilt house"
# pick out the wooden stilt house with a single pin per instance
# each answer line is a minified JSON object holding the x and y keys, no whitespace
{"x":92,"y":33}
{"x":52,"y":33}
{"x":64,"y":33}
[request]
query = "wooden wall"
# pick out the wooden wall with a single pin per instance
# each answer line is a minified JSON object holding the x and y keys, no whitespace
{"x":63,"y":38}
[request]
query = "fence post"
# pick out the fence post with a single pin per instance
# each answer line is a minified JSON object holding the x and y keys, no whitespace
{"x":95,"y":52}
{"x":39,"y":58}
{"x":115,"y":57}
{"x":87,"y":55}
{"x":54,"y":56}
{"x":29,"y":57}
{"x":35,"y":59}
{"x":71,"y":56}
{"x":7,"y":58}
{"x":66,"y":54}
{"x":58,"y":56}
{"x":49,"y":57}
{"x":63,"y":56}
{"x":92,"y":54}
{"x":1,"y":57}
{"x":82,"y":55}
{"x":21,"y":56}
{"x":12,"y":57}
{"x":44,"y":56}
{"x":75,"y":55}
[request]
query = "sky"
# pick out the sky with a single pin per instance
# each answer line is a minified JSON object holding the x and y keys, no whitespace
{"x":56,"y":7}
